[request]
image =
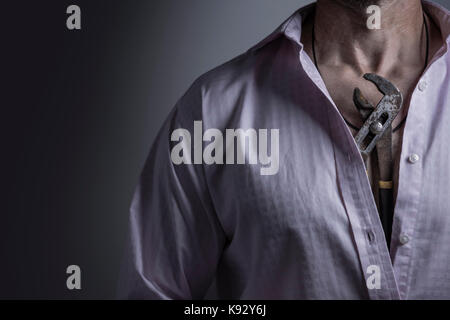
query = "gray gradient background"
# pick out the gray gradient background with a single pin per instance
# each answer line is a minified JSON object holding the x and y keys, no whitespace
{"x":80,"y":111}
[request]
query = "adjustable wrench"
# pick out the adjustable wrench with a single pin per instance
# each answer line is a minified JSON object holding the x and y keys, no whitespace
{"x":377,"y":131}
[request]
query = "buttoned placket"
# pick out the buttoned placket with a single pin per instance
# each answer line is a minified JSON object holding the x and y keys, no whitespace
{"x":411,"y":179}
{"x":409,"y":189}
{"x":354,"y":184}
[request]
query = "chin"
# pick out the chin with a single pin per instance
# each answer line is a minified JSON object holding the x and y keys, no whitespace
{"x":362,"y":4}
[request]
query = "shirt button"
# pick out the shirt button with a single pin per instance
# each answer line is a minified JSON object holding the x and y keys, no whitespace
{"x":370,"y":236}
{"x":423,"y":85}
{"x":414,"y":158}
{"x":404,"y":239}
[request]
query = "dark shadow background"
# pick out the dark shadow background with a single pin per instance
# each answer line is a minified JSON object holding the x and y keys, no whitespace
{"x":80,"y":110}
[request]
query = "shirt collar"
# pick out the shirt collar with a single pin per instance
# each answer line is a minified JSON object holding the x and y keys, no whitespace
{"x":441,"y":17}
{"x":292,"y":27}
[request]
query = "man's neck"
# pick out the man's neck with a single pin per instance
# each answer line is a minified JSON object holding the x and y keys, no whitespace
{"x":343,"y":37}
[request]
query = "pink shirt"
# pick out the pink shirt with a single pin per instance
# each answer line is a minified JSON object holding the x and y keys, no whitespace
{"x":312,"y":230}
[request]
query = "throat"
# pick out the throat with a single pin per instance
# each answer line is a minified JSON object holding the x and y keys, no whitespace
{"x":342,"y":36}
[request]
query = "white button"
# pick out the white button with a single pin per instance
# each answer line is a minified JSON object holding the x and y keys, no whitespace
{"x":423,"y":85}
{"x":370,"y":236}
{"x":404,"y":239}
{"x":414,"y":158}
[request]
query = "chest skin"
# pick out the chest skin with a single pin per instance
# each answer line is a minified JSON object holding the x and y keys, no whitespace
{"x":341,"y":80}
{"x":341,"y":86}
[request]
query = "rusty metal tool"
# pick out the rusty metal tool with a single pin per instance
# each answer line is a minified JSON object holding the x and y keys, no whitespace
{"x":377,"y":132}
{"x":378,"y":119}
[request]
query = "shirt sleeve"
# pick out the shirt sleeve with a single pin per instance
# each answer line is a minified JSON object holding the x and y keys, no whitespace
{"x":175,"y":238}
